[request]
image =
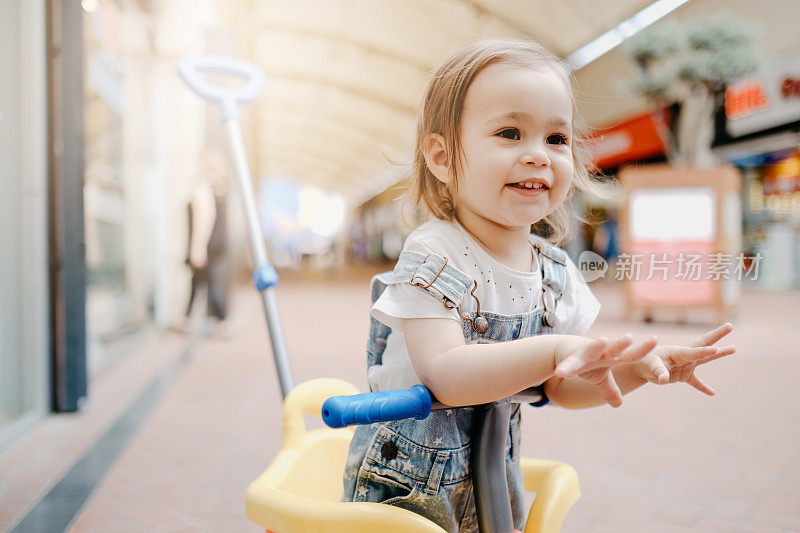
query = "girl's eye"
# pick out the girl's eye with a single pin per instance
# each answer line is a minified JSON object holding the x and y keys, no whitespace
{"x":557,"y":138}
{"x":510,"y":133}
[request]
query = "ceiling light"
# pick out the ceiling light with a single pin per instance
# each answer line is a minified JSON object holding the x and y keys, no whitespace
{"x":90,"y":6}
{"x":624,"y":30}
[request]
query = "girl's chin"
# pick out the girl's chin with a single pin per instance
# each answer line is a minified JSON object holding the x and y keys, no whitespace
{"x":519,"y":223}
{"x":526,"y":217}
{"x":510,"y":217}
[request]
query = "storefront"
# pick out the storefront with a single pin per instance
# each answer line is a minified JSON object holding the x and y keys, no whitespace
{"x":24,"y":343}
{"x":638,"y":139}
{"x":144,"y":132}
{"x":379,"y":227}
{"x":758,"y":131}
{"x":761,"y":136}
{"x":98,"y":140}
{"x":116,"y":174}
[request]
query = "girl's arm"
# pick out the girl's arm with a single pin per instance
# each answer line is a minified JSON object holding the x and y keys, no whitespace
{"x":461,"y":374}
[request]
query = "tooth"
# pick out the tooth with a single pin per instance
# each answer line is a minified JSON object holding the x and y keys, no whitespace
{"x":537,"y":186}
{"x":528,"y":185}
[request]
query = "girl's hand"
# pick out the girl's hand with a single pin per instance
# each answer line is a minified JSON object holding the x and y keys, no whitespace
{"x":671,"y":364}
{"x":593,"y":360}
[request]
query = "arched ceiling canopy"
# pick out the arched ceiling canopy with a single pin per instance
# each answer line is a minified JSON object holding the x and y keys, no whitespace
{"x":344,"y":77}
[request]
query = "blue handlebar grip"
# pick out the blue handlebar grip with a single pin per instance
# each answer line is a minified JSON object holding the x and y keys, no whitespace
{"x":340,"y":411}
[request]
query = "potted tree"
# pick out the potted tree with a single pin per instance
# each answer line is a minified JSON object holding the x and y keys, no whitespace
{"x":692,"y":64}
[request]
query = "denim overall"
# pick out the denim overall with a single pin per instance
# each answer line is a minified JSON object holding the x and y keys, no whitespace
{"x":424,"y":465}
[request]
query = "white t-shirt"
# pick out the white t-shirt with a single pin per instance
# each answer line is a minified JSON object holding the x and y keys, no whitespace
{"x":501,"y":290}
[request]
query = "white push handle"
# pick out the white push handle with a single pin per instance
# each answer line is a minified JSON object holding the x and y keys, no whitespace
{"x":191,"y":71}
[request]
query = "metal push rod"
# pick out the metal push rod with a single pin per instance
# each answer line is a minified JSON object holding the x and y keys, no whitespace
{"x":192,"y":71}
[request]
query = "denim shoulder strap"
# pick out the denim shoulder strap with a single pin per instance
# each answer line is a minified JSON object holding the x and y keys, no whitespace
{"x":428,"y":271}
{"x":378,"y":285}
{"x":378,"y":331}
{"x":553,"y":261}
{"x":433,"y":273}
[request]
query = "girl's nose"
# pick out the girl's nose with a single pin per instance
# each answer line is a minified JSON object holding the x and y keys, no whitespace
{"x":535,"y":155}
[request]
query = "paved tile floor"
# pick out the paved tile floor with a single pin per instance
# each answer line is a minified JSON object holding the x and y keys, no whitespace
{"x":670,"y":459}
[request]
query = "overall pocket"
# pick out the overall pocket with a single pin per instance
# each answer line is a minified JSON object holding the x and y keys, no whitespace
{"x":384,"y":475}
{"x":383,"y":487}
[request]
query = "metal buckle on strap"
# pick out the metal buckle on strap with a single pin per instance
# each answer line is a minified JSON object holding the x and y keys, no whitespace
{"x":550,"y":301}
{"x":414,"y":275}
{"x":479,"y":325}
{"x":549,"y":309}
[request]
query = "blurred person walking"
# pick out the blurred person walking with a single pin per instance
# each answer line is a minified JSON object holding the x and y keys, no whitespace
{"x":207,"y":250}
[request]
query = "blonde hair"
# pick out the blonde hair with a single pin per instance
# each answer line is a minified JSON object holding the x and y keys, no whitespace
{"x":441,"y":113}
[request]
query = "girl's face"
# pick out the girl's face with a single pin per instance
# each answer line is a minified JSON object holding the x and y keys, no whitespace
{"x":516,"y":137}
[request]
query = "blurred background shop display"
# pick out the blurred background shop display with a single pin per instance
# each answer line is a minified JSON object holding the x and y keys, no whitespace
{"x":760,"y":133}
{"x":301,"y":224}
{"x":772,"y":216}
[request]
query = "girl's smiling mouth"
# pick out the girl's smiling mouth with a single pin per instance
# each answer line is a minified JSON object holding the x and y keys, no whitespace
{"x":529,"y":186}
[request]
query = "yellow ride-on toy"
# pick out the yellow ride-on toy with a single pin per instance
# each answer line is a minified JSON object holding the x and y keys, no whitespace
{"x":301,"y":489}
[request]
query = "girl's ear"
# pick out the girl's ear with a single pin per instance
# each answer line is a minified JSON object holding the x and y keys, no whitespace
{"x":435,"y":151}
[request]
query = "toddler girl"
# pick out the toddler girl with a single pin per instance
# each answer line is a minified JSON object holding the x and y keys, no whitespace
{"x":478,"y":306}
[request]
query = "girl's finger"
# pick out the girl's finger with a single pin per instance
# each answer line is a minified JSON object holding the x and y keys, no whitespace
{"x":680,"y":355}
{"x":658,"y":371}
{"x":579,"y":361}
{"x":638,"y":351}
{"x":610,"y":391}
{"x":713,"y":336}
{"x":721,"y":352}
{"x":594,"y":350}
{"x":617,"y":346}
{"x":698,"y":384}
